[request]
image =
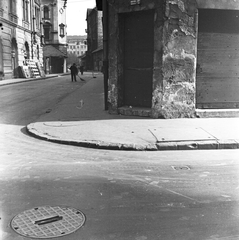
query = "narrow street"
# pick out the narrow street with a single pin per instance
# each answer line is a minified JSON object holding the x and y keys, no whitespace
{"x":124,"y":195}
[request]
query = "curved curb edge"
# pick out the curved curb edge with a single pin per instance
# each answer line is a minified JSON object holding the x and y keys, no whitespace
{"x":159,"y":146}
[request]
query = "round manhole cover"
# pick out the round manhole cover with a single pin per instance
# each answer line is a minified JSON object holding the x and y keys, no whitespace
{"x":48,"y":222}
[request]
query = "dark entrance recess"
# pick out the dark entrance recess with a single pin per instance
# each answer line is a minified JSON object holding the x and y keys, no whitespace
{"x":1,"y":59}
{"x":138,"y":49}
{"x":217,"y":84}
{"x":57,"y":64}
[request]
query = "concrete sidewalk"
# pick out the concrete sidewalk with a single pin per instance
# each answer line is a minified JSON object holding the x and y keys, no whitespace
{"x":20,"y":80}
{"x":80,"y":120}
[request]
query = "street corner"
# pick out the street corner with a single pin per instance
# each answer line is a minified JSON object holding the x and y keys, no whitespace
{"x":38,"y":130}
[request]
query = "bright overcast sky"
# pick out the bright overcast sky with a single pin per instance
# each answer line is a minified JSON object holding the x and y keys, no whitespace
{"x":76,"y":15}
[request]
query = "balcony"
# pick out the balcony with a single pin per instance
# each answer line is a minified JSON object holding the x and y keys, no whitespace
{"x":25,"y":24}
{"x":13,"y":18}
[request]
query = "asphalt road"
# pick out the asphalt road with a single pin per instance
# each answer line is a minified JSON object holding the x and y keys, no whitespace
{"x":124,"y":195}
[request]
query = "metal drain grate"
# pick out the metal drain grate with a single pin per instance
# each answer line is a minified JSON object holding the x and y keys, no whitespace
{"x":181,"y":167}
{"x":48,"y":222}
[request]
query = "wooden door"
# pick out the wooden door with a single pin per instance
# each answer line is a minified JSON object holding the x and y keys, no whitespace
{"x":138,"y":58}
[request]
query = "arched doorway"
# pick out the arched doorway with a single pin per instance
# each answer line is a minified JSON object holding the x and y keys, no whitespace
{"x":14,"y":53}
{"x":38,"y":52}
{"x":27,"y":51}
{"x":1,"y":59}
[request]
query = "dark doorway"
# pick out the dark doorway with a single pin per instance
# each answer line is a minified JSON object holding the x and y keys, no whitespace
{"x":217,"y":84}
{"x":14,"y":58}
{"x":27,"y":51}
{"x":1,"y":59}
{"x":57,"y":64}
{"x":138,"y":58}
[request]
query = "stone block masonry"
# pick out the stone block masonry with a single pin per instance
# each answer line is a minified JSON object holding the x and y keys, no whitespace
{"x":174,"y":63}
{"x":179,"y":59}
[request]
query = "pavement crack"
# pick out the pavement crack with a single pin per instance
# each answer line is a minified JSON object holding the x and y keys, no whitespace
{"x":208,"y":133}
{"x":154,"y":136}
{"x":182,"y":195}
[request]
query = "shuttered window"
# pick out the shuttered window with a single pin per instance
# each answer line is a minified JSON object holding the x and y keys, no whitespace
{"x":218,"y":59}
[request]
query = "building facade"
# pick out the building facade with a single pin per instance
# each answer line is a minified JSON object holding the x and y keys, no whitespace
{"x":77,"y":45}
{"x":54,"y":31}
{"x":20,"y":36}
{"x":94,"y":54}
{"x":173,"y":58}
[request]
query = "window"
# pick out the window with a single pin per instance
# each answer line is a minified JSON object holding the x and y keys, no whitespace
{"x":47,"y":34}
{"x":12,"y":6}
{"x":25,"y":10}
{"x":46,"y":14}
{"x":62,"y":30}
{"x":37,"y":17}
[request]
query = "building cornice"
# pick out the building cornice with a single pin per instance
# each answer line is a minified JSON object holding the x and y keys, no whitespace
{"x":17,"y":26}
{"x":14,"y":25}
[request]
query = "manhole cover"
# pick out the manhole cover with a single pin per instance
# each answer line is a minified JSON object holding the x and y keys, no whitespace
{"x":48,"y":222}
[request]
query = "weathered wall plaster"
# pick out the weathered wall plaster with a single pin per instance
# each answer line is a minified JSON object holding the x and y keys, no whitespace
{"x":175,"y":50}
{"x":179,"y":59}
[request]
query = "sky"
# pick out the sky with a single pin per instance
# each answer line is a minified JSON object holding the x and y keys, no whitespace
{"x":76,"y":15}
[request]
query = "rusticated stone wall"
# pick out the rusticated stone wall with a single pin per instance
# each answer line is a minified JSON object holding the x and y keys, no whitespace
{"x":179,"y":61}
{"x":174,"y":66}
{"x":175,"y":54}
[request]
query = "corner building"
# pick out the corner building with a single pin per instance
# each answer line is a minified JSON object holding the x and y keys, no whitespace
{"x":173,"y":58}
{"x":55,"y":35}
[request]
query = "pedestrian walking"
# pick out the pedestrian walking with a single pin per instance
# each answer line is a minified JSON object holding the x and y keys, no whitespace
{"x":74,"y":72}
{"x":81,"y":69}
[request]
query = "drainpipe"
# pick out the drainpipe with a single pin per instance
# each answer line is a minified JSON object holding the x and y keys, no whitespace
{"x":31,"y":24}
{"x":105,"y":51}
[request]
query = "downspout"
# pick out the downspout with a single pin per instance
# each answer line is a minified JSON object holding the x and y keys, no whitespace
{"x":31,"y":24}
{"x":105,"y":51}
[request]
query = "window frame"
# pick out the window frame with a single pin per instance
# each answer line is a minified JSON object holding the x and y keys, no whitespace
{"x":48,"y":28}
{"x":37,"y":16}
{"x":46,"y":12}
{"x":25,"y":8}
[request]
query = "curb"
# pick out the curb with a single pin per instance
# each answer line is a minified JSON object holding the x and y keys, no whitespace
{"x":32,"y":79}
{"x":159,"y":146}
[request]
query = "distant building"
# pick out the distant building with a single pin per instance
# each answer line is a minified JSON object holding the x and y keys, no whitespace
{"x":54,"y":27}
{"x":77,"y":45}
{"x":94,"y":55}
{"x":20,"y":36}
